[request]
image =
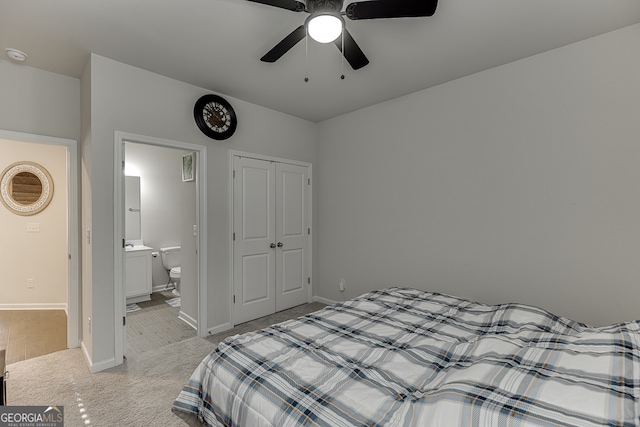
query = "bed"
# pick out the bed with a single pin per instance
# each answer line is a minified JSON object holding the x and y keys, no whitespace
{"x":403,"y":357}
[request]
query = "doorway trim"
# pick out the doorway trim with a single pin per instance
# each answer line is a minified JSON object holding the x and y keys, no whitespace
{"x":119,"y":253}
{"x":73,"y":226}
{"x":236,"y":153}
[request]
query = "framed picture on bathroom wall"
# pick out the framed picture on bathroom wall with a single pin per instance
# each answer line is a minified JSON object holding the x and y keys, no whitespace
{"x":187,"y":167}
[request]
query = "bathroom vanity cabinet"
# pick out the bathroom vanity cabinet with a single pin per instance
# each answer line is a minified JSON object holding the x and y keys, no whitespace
{"x":138,"y":274}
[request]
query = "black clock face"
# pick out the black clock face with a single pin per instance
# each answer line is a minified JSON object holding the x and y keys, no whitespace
{"x":215,"y":117}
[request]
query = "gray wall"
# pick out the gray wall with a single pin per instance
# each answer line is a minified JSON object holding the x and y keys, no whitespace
{"x":132,"y":100}
{"x":519,"y":184}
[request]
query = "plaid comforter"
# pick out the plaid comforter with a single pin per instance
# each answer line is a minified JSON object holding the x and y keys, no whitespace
{"x":402,"y":357}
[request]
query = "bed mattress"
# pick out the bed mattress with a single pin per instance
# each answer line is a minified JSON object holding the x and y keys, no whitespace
{"x":403,"y":357}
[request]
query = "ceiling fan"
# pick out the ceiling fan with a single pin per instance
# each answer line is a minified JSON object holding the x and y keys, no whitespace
{"x":325,"y":23}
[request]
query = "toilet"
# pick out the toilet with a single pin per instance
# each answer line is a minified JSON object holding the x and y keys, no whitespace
{"x":171,"y":262}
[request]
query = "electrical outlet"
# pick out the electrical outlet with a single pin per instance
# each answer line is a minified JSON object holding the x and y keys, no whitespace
{"x":29,"y":283}
{"x":33,"y":227}
{"x":341,"y":286}
{"x":89,"y":323}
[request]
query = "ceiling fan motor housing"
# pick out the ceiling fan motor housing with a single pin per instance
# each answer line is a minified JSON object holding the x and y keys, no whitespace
{"x":366,"y":9}
{"x":318,"y":6}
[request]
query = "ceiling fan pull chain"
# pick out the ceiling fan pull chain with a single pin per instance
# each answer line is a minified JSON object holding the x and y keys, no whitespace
{"x":306,"y":57}
{"x":342,"y":35}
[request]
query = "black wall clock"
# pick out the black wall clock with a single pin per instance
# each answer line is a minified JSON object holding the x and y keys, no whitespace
{"x":215,"y":117}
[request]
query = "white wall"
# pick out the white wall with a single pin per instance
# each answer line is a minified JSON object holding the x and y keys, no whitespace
{"x":188,"y":254}
{"x":518,"y":184}
{"x":40,"y":256}
{"x":161,"y":186}
{"x":38,"y":102}
{"x":132,"y":100}
{"x":168,"y":212}
{"x":86,"y":221}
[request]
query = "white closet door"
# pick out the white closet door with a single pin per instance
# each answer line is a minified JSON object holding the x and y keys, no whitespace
{"x":292,"y":235}
{"x":254,"y":245}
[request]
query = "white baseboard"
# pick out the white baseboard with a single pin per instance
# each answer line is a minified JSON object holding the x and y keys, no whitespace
{"x":101,"y":366}
{"x":226,"y":326}
{"x":188,"y":320}
{"x":141,"y":298}
{"x":160,"y":288}
{"x":35,"y":306}
{"x":323,"y":300}
{"x":96,"y":367}
{"x":86,"y":353}
{"x":219,"y":328}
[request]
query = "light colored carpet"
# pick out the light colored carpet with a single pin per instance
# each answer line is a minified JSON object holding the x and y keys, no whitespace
{"x":138,"y":393}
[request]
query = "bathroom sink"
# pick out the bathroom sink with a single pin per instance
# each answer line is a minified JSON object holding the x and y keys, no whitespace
{"x":137,"y":248}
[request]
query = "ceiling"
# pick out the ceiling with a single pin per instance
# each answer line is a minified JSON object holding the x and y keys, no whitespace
{"x":217,"y":44}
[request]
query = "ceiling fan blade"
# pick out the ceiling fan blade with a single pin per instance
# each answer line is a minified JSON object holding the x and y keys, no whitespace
{"x":293,"y":5}
{"x":352,"y":52}
{"x":391,"y":9}
{"x":287,"y":43}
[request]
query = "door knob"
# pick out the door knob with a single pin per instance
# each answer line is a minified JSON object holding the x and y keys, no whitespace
{"x":280,"y":244}
{"x":272,"y":246}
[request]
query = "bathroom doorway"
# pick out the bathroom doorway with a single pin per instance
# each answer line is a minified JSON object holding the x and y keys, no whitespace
{"x":160,"y":212}
{"x":39,"y":290}
{"x":169,"y":212}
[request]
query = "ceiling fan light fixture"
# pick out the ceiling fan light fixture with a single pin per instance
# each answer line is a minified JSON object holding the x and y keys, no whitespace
{"x":325,"y":27}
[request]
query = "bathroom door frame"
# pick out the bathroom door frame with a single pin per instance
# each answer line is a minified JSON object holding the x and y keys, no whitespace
{"x":72,"y":224}
{"x":119,"y":231}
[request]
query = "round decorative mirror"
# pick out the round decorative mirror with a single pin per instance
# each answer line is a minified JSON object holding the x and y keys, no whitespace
{"x":26,"y":188}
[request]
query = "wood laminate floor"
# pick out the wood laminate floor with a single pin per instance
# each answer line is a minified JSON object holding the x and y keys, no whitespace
{"x":25,"y":334}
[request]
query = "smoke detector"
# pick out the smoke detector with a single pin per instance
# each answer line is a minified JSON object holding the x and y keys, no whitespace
{"x":15,"y":54}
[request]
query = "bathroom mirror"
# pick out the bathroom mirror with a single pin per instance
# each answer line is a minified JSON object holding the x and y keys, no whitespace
{"x":26,"y":188}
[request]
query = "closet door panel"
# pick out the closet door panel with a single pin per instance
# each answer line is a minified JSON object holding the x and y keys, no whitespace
{"x":292,"y":234}
{"x":254,"y":229}
{"x":255,"y":278}
{"x":292,"y":268}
